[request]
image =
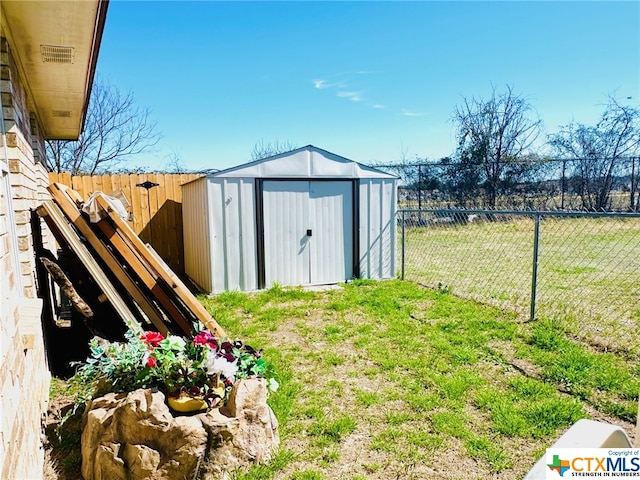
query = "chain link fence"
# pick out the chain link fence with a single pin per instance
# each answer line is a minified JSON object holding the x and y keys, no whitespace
{"x":588,"y":184}
{"x":582,"y":269}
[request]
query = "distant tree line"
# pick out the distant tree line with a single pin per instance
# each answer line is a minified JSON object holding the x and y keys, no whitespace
{"x":496,"y":164}
{"x":549,"y":184}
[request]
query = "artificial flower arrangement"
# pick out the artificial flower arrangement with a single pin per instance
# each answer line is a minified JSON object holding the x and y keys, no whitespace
{"x":198,"y":372}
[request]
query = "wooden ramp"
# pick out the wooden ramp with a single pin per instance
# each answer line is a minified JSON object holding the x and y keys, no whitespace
{"x":112,"y":252}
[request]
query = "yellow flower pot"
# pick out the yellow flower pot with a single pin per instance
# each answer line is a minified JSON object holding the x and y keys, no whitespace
{"x":186,"y":403}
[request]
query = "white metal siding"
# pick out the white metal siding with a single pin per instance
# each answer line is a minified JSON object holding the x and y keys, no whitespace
{"x":233,"y":234}
{"x":331,"y":218}
{"x":377,"y":228}
{"x":196,"y":233}
{"x":286,"y":220}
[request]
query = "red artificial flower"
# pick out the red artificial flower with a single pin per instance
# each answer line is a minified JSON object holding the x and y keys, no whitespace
{"x":152,"y":338}
{"x":205,"y":338}
{"x":151,"y":362}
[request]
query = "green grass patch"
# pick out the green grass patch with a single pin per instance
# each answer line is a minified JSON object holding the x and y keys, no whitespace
{"x":489,"y":451}
{"x":367,"y":398}
{"x":408,"y":377}
{"x":307,"y":475}
{"x":603,"y":379}
{"x":333,"y":430}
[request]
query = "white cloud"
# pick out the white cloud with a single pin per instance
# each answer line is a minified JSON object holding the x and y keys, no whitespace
{"x":342,"y":88}
{"x":353,"y":96}
{"x":408,"y":113}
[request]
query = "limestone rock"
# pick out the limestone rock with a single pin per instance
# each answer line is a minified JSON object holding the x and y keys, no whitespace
{"x":135,"y":436}
{"x":243,"y":432}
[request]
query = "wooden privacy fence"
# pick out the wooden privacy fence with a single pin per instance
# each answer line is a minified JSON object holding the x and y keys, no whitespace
{"x":155,"y":213}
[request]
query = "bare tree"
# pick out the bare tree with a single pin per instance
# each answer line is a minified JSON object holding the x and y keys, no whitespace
{"x":597,"y":151}
{"x":264,"y":150}
{"x":405,"y":168}
{"x":174,"y":163}
{"x":494,"y":133}
{"x":115,"y":129}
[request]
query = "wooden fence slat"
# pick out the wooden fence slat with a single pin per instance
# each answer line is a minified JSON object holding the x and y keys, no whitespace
{"x":170,"y":219}
{"x":87,"y":186}
{"x":159,"y":218}
{"x":136,"y":204}
{"x":97,"y":184}
{"x":77,"y":184}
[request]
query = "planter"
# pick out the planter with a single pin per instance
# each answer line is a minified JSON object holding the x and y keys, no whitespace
{"x":135,"y":435}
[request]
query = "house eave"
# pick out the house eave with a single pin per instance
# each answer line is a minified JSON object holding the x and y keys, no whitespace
{"x":56,"y":45}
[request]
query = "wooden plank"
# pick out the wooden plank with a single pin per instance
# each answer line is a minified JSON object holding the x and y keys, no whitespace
{"x":145,"y":273}
{"x":57,"y":222}
{"x":165,"y":232}
{"x":136,"y":264}
{"x":62,"y":198}
{"x":163,"y":271}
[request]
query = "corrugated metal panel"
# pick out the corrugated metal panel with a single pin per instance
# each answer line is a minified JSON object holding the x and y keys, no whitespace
{"x":331,"y":219}
{"x":233,"y":234}
{"x":248,"y":241}
{"x":377,"y":228}
{"x":286,"y":220}
{"x":196,"y":233}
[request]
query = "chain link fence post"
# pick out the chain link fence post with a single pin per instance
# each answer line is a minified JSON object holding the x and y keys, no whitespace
{"x":534,"y":270}
{"x":403,"y":243}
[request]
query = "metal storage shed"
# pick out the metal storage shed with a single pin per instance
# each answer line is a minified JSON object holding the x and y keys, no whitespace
{"x":305,"y":217}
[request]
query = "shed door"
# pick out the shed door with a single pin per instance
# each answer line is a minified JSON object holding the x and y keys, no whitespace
{"x":308,"y":232}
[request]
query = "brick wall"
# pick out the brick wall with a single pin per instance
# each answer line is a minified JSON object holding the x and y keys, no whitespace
{"x":24,"y":376}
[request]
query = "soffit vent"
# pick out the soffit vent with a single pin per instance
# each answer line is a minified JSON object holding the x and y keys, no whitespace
{"x":61,"y":113}
{"x":56,"y":54}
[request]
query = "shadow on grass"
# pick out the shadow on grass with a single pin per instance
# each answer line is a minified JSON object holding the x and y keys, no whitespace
{"x":63,"y":458}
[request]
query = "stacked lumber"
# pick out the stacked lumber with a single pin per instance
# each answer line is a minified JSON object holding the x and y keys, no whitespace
{"x":137,"y":283}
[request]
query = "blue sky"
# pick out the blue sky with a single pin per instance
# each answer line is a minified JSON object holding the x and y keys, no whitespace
{"x":371,"y":81}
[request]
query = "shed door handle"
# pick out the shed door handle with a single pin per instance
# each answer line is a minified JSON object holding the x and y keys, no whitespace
{"x":309,"y":232}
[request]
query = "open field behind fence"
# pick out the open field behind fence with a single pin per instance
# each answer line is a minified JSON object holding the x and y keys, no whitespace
{"x":587,"y":276}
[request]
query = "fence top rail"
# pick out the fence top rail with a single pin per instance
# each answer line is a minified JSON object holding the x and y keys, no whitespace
{"x":529,"y":213}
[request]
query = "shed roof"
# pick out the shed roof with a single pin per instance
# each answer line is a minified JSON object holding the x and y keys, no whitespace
{"x":304,"y":162}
